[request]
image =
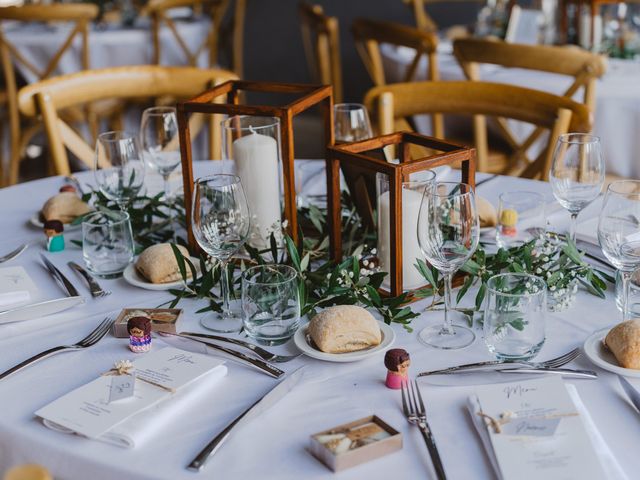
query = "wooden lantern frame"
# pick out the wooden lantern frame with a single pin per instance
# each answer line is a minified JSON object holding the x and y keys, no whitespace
{"x":308,"y":96}
{"x":354,"y":154}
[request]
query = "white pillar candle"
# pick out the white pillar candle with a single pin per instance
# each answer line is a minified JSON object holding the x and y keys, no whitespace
{"x":411,"y":200}
{"x":585,"y":31}
{"x":256,"y":159}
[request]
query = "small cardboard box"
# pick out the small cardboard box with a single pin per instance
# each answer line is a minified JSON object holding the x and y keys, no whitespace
{"x":369,"y":438}
{"x":162,"y":320}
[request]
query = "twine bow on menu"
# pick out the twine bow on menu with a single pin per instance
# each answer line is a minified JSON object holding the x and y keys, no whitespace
{"x":125,"y":367}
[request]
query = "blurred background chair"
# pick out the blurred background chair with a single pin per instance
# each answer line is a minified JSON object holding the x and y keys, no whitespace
{"x":556,"y":114}
{"x":425,"y":22}
{"x":50,"y":97}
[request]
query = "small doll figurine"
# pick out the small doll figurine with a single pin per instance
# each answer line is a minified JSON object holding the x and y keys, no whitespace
{"x":55,"y":240}
{"x":508,"y":222}
{"x":67,"y":188}
{"x":397,"y":362}
{"x":139,"y":329}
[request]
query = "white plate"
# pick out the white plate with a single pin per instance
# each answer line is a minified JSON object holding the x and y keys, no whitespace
{"x":300,"y":339}
{"x":603,"y":358}
{"x":68,"y":227}
{"x":132,"y":277}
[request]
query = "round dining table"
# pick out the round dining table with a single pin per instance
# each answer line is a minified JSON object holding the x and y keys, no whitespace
{"x":273,"y":445}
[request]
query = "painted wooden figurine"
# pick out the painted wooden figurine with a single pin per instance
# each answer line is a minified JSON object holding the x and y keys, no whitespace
{"x":139,"y":329}
{"x":55,"y":239}
{"x":397,"y":362}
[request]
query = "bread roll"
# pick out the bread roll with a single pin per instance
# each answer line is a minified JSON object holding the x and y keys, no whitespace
{"x":344,"y":328}
{"x":158,"y":264}
{"x":486,"y":212}
{"x":65,"y":206}
{"x":624,"y":342}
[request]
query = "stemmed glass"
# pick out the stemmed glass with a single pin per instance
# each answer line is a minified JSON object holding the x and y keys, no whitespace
{"x":221,"y":227}
{"x":448,"y":233}
{"x":351,"y":122}
{"x":619,"y":231}
{"x":119,"y":169}
{"x":577,"y":173}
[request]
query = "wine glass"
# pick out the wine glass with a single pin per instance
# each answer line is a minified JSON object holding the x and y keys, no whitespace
{"x":448,"y":233}
{"x":159,"y":139}
{"x":619,"y":231}
{"x":577,"y":173}
{"x":351,"y":122}
{"x":119,"y":169}
{"x":221,"y":226}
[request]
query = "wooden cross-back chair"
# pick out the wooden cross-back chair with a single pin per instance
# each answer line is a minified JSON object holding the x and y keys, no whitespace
{"x":583,"y":66}
{"x":322,"y":47}
{"x":369,"y":34}
{"x":556,"y":114}
{"x":49,"y":97}
{"x":78,"y":16}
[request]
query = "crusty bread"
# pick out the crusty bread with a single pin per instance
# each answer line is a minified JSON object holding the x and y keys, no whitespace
{"x":65,"y":206}
{"x":486,"y":212}
{"x":158,"y":264}
{"x":624,"y":342}
{"x":344,"y":328}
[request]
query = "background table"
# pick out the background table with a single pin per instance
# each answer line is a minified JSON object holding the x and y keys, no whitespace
{"x":617,"y":110}
{"x":273,"y":445}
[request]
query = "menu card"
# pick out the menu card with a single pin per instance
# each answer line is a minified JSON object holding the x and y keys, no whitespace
{"x":164,"y":379}
{"x":542,"y":434}
{"x":16,"y":287}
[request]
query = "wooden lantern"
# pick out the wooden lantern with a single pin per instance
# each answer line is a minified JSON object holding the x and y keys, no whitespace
{"x":307,"y":96}
{"x":355,"y":154}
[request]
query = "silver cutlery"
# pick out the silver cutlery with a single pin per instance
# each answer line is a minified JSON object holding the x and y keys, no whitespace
{"x":564,"y":372}
{"x":261,"y":352}
{"x":259,"y":407}
{"x":497,"y":364}
{"x":94,"y":337}
{"x":14,"y":253}
{"x":265,"y":367}
{"x":631,"y":392}
{"x":95,"y":289}
{"x":57,"y":274}
{"x":39,"y":309}
{"x":416,"y":414}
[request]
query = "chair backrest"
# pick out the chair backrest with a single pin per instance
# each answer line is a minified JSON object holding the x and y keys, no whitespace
{"x":49,"y":97}
{"x":322,"y":47}
{"x":550,"y":112}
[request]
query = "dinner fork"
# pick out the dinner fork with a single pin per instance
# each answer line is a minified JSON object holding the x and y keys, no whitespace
{"x":416,"y":414}
{"x":94,"y":337}
{"x":14,"y":253}
{"x":552,"y":363}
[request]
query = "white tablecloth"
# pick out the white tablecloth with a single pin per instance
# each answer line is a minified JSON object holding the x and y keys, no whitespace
{"x":617,"y":111}
{"x":273,"y":445}
{"x":111,"y":47}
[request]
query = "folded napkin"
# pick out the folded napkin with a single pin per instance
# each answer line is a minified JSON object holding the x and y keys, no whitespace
{"x":605,"y":456}
{"x":13,"y":299}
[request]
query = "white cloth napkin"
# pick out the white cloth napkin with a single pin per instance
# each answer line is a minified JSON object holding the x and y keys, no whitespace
{"x":605,"y":456}
{"x":13,"y":299}
{"x":137,"y":430}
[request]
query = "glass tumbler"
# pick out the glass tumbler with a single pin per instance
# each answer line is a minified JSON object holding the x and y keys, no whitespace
{"x":520,"y":218}
{"x":107,"y":243}
{"x":270,"y":303}
{"x":514,"y":316}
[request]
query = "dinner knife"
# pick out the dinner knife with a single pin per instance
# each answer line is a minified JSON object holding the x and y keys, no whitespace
{"x":57,"y":274}
{"x":40,"y":309}
{"x":631,"y":392}
{"x":263,"y":404}
{"x":564,"y":372}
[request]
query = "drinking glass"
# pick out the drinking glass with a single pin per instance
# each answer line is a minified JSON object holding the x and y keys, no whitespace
{"x":514,"y":317}
{"x":577,"y":173}
{"x":448,"y":233}
{"x":107,"y":243}
{"x":220,"y":223}
{"x":633,"y":297}
{"x":619,"y":231}
{"x":160,"y":143}
{"x":520,"y":218}
{"x":270,"y":303}
{"x":119,"y":169}
{"x":351,"y":122}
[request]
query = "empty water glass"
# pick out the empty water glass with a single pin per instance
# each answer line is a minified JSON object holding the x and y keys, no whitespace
{"x":107,"y":243}
{"x":514,"y":317}
{"x":270,"y":303}
{"x":520,"y":218}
